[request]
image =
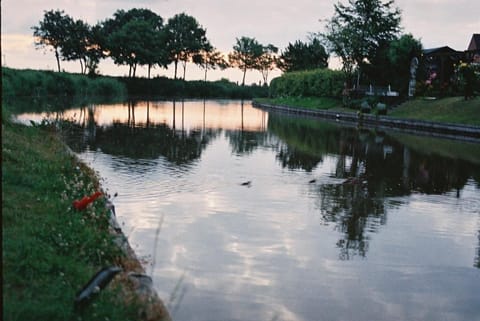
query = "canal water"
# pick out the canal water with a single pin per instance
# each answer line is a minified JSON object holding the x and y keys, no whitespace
{"x":242,"y":214}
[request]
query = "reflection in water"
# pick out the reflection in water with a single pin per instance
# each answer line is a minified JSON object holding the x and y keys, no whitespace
{"x":477,"y":257}
{"x":333,"y":214}
{"x":373,"y":166}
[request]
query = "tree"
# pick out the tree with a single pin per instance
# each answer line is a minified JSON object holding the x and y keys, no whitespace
{"x":245,"y":55}
{"x":94,"y":49}
{"x":210,"y":58}
{"x":184,"y":39}
{"x":134,"y":38}
{"x":52,"y":31}
{"x":77,"y":43}
{"x":303,"y":56}
{"x":393,"y":58}
{"x":357,"y":30}
{"x":267,"y":61}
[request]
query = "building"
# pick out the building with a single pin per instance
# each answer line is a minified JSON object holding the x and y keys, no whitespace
{"x":472,"y":54}
{"x":440,"y":62}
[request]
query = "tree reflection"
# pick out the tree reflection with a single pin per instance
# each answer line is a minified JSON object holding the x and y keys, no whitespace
{"x":295,"y":159}
{"x":371,"y":166}
{"x":139,"y":140}
{"x":477,"y":257}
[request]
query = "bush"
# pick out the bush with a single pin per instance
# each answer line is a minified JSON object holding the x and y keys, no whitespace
{"x":38,"y":84}
{"x":312,"y":83}
{"x":365,"y":107}
{"x":381,"y":109}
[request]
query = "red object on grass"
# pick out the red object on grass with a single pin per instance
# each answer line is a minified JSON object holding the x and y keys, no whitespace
{"x":82,"y":204}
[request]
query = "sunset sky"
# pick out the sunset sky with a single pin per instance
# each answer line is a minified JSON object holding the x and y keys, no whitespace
{"x":435,"y":22}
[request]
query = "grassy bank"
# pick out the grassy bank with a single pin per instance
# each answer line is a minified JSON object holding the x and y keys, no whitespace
{"x":451,"y":109}
{"x":70,"y":87}
{"x":318,"y":103}
{"x":50,"y":250}
{"x":38,"y":84}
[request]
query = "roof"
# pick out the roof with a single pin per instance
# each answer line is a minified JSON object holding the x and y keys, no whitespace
{"x":474,"y":43}
{"x":440,"y":50}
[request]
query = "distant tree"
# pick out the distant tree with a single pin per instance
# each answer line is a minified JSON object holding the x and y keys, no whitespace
{"x":357,"y":30}
{"x":53,"y":31}
{"x":400,"y":54}
{"x":134,"y":38}
{"x":246,"y":54}
{"x":303,"y":56}
{"x":267,"y":61}
{"x":184,"y":39}
{"x":94,"y":49}
{"x":210,"y":58}
{"x":76,"y":43}
{"x":391,"y":63}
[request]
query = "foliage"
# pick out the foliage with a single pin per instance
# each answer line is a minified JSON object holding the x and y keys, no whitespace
{"x":38,"y":84}
{"x":312,"y":83}
{"x":184,"y":39}
{"x":48,"y":88}
{"x":303,"y":56}
{"x":391,"y":63}
{"x":210,"y":58}
{"x":53,"y":31}
{"x":162,"y":87}
{"x":357,"y":30}
{"x":77,"y":44}
{"x":267,"y":62}
{"x":134,"y":38}
{"x":246,"y":53}
{"x":469,"y":79}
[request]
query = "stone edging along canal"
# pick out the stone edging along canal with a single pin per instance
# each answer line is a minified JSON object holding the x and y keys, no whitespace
{"x":448,"y":130}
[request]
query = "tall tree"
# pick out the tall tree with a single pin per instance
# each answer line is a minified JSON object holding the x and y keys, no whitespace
{"x":357,"y":30}
{"x":303,"y":56}
{"x":76,"y":43}
{"x":394,"y":58}
{"x":185,"y":38}
{"x":210,"y":58}
{"x":132,"y":38}
{"x":94,"y":48}
{"x":267,"y":61}
{"x":52,"y":31}
{"x":246,"y":54}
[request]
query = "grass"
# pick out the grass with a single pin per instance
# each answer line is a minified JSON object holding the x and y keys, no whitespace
{"x":451,"y":109}
{"x":40,"y":83}
{"x":318,"y":103}
{"x":50,"y":250}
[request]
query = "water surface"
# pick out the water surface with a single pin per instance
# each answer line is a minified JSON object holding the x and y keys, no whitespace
{"x":243,"y":214}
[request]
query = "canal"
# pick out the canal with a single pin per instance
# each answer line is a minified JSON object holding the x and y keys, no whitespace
{"x":242,"y":214}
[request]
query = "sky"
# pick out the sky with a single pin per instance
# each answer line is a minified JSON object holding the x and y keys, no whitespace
{"x":435,"y":23}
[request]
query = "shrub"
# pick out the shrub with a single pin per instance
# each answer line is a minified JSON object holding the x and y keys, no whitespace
{"x":365,"y":107}
{"x":312,"y":83}
{"x":381,"y":109}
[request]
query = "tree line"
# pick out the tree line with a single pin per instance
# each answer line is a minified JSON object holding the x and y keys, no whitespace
{"x":140,"y":37}
{"x":365,"y":34}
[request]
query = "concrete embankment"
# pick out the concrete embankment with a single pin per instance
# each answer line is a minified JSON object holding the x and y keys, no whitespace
{"x":448,"y":130}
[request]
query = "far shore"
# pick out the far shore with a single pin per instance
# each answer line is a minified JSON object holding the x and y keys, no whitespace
{"x":405,"y":117}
